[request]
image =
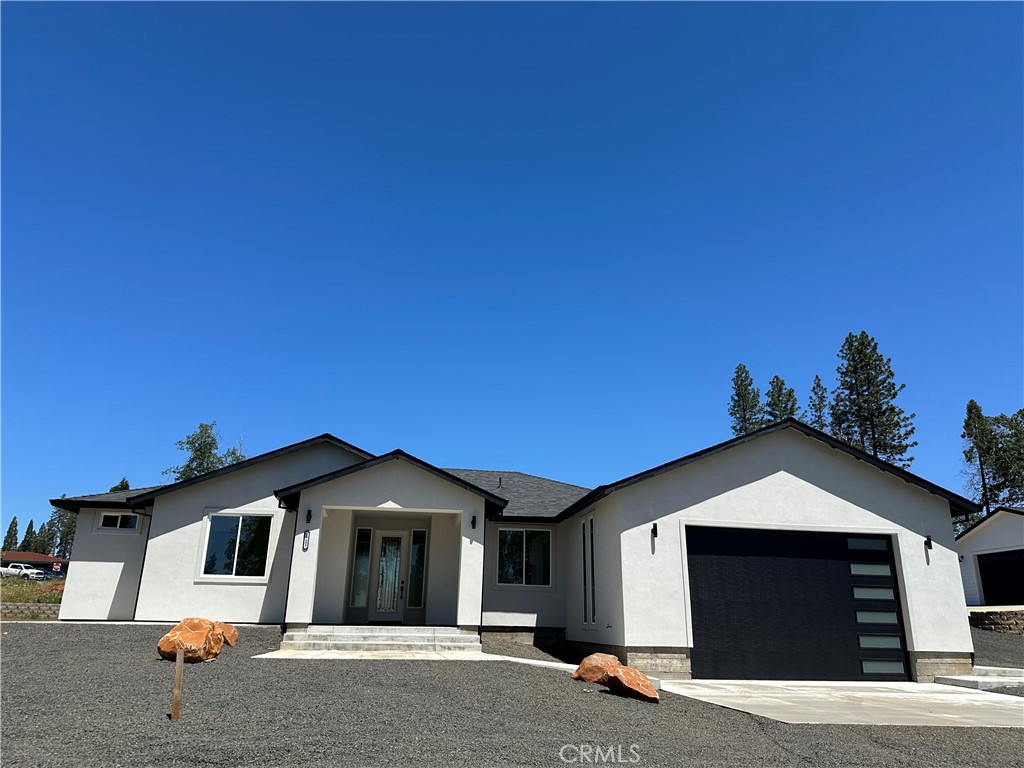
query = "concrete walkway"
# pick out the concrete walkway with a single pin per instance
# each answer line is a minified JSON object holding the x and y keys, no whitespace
{"x":858,"y":703}
{"x":413,"y":655}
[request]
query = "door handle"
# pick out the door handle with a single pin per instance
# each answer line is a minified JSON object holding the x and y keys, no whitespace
{"x":401,"y":590}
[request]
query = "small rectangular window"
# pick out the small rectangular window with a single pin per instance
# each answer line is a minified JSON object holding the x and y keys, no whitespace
{"x":879,"y":641}
{"x":119,"y":522}
{"x":873,"y":593}
{"x":237,"y":545}
{"x":361,"y":568}
{"x":882,"y":667}
{"x":870,"y":569}
{"x":586,"y":599}
{"x":855,"y":543}
{"x":876,"y":617}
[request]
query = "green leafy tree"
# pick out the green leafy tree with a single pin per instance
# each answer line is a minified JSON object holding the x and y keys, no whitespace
{"x":817,"y":406}
{"x":11,"y":539}
{"x":121,"y":486}
{"x":864,"y":412}
{"x":29,"y":540}
{"x":779,"y":401}
{"x":1008,"y":487}
{"x":62,"y":528}
{"x":203,"y":449}
{"x":745,"y":407}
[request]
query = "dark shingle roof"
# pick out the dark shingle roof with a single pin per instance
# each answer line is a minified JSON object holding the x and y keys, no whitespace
{"x":112,"y":500}
{"x":528,"y":495}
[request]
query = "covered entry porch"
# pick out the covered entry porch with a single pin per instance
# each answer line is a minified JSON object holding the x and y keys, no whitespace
{"x":391,"y":541}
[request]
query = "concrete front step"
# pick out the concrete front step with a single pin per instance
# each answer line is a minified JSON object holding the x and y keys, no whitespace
{"x":999,"y":672}
{"x":336,"y":645}
{"x":979,"y":682}
{"x":323,"y":637}
{"x":385,"y":630}
{"x":380,"y":638}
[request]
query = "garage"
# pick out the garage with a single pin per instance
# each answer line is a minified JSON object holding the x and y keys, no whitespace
{"x":794,"y":605}
{"x":1002,"y":577}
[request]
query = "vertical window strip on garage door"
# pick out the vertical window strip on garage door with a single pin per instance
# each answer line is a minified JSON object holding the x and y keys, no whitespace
{"x":880,"y":634}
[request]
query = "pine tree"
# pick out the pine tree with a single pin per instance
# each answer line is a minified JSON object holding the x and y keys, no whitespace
{"x":11,"y":539}
{"x":745,"y":408}
{"x":1008,"y":487}
{"x":121,"y":486}
{"x":817,"y":406}
{"x":62,"y":529}
{"x":30,"y":538}
{"x":779,"y":401}
{"x":863,"y":410}
{"x":43,"y":542}
{"x":979,"y":452}
{"x":202,"y":447}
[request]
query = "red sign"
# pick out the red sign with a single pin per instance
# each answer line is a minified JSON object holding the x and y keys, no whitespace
{"x":56,"y":566}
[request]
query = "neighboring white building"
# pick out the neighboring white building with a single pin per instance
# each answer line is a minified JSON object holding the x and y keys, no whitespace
{"x":780,"y":554}
{"x":992,"y":558}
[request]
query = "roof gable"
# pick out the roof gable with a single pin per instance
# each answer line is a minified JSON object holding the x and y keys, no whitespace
{"x":995,"y":512}
{"x":958,"y":504}
{"x":289,"y":497}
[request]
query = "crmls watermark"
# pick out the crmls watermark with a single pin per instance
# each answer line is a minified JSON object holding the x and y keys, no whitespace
{"x":597,"y":753}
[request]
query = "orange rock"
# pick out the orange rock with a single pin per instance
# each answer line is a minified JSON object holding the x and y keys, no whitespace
{"x":596,"y":667}
{"x":626,"y":681}
{"x":198,"y":638}
{"x":229,"y":632}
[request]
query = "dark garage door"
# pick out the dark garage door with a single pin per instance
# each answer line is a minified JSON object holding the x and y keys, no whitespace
{"x":1002,"y":577}
{"x":794,"y":605}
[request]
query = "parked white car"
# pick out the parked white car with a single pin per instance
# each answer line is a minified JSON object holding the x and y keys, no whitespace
{"x":22,"y":571}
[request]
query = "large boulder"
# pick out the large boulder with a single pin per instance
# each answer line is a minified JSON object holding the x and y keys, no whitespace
{"x":198,"y":638}
{"x":229,"y":632}
{"x":605,"y":669}
{"x":626,"y":681}
{"x":596,"y":667}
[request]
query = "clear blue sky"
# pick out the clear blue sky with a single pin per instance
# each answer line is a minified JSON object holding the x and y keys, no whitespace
{"x":519,"y":236}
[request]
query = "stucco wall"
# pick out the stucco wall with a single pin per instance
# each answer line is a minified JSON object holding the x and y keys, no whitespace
{"x":785,"y":480}
{"x":172,"y":583}
{"x":105,"y":580}
{"x":1004,"y":531}
{"x":455,"y":560}
{"x":609,"y":628}
{"x":523,"y":605}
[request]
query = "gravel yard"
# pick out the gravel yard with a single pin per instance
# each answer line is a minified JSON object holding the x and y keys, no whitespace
{"x":89,"y":695}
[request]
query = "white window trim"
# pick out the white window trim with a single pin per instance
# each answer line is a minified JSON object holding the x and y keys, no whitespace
{"x":99,"y":528}
{"x":550,"y":586}
{"x":207,"y":578}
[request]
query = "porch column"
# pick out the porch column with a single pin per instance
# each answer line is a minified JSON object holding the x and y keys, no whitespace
{"x":302,"y":582}
{"x":471,"y":568}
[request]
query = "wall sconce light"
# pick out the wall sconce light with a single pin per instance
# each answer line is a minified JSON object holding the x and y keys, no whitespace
{"x":927,"y":542}
{"x":472,"y":522}
{"x":309,"y":516}
{"x":654,"y":531}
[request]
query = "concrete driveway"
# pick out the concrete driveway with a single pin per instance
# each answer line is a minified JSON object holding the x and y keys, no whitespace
{"x":857,"y":703}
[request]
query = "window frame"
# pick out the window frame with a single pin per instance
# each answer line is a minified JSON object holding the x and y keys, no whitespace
{"x":426,"y":556}
{"x":222,"y":578}
{"x":524,"y":529}
{"x":98,"y":526}
{"x":589,"y":581}
{"x":352,"y":570}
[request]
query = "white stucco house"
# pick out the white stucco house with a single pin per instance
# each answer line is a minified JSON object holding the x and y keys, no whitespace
{"x":992,"y":558}
{"x":780,"y":554}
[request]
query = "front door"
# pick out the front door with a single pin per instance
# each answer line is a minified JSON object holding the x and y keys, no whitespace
{"x":388,"y":562}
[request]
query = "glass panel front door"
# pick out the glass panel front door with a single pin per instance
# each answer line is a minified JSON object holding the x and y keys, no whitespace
{"x":389,"y":557}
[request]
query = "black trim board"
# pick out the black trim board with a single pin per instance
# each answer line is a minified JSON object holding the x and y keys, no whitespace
{"x":143,"y":499}
{"x":288,"y":498}
{"x":958,"y":505}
